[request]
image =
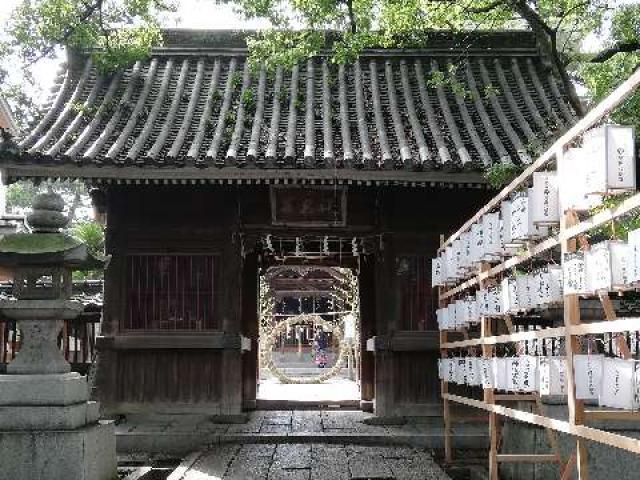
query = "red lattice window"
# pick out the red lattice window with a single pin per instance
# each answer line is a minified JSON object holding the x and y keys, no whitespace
{"x":415,"y":293}
{"x":171,"y":292}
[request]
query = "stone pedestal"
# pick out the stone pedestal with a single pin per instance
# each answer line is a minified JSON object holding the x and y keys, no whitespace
{"x":49,"y":430}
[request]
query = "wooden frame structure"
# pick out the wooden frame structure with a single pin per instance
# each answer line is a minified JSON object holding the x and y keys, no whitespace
{"x":570,"y":229}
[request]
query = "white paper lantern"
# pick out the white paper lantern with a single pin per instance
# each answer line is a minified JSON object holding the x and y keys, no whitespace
{"x":514,"y":380}
{"x":633,"y":241}
{"x":520,"y":217}
{"x":574,"y":175}
{"x":607,"y":266}
{"x":553,"y":375}
{"x":477,"y":242}
{"x":472,"y":310}
{"x":491,"y":230}
{"x":461,"y":313}
{"x":456,"y":249}
{"x":506,"y":293}
{"x":451,"y":370}
{"x":495,"y":301}
{"x":484,"y":302}
{"x":611,"y":150}
{"x":619,"y":384}
{"x":487,"y":372}
{"x":588,"y":375}
{"x":548,"y":285}
{"x":574,"y":274}
{"x":451,"y":316}
{"x":529,"y":373}
{"x":620,"y":263}
{"x":461,"y":371}
{"x":464,"y":260}
{"x":535,"y":231}
{"x":443,"y":368}
{"x":437,"y":274}
{"x":473,"y":372}
{"x":509,"y":245}
{"x":544,"y":202}
{"x":441,"y":318}
{"x":500,"y":379}
{"x":598,"y":267}
{"x":524,"y":292}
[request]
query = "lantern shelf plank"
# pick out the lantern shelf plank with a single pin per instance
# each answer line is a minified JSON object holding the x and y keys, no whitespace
{"x":565,"y":241}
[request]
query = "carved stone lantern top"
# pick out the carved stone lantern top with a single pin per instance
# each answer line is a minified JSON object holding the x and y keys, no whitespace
{"x":42,"y":263}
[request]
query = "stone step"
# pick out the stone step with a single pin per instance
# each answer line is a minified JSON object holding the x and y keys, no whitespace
{"x":180,"y":443}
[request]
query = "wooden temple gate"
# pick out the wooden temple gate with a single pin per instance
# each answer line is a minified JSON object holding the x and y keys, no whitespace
{"x":201,"y":159}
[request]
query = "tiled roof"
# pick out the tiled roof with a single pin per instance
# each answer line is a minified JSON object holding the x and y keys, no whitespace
{"x":196,"y":110}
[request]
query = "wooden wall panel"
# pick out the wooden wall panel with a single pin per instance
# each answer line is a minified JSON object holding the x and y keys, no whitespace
{"x":161,"y":376}
{"x":416,"y":378}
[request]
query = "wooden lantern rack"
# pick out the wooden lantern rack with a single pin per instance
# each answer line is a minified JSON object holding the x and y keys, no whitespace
{"x":570,"y":230}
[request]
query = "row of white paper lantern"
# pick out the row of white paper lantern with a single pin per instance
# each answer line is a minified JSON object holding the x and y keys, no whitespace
{"x":539,"y":289}
{"x":612,"y":382}
{"x":606,"y":266}
{"x":605,"y":164}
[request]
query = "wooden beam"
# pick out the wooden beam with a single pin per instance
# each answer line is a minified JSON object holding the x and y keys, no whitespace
{"x":614,"y":326}
{"x":622,"y":415}
{"x":587,"y":433}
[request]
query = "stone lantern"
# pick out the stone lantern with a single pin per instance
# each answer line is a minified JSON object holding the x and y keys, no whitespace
{"x":49,"y":429}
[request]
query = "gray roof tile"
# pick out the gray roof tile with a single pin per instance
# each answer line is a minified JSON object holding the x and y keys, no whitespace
{"x":200,"y":105}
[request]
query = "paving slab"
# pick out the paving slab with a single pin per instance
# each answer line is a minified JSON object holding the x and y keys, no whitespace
{"x":293,"y":456}
{"x":312,"y":461}
{"x":366,"y":466}
{"x":212,"y":465}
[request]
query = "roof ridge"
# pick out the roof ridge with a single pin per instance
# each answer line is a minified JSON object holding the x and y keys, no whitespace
{"x":434,"y":39}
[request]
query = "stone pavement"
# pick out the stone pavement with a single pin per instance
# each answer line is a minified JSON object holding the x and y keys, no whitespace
{"x":183,"y":434}
{"x":309,"y":462}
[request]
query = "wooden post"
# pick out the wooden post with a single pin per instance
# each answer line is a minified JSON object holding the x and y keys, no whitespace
{"x":444,"y":387}
{"x":572,"y":346}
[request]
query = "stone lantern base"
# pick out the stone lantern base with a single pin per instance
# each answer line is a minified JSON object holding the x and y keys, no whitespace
{"x":49,"y":430}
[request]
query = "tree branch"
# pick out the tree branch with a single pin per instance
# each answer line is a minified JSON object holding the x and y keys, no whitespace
{"x":549,"y":41}
{"x":352,"y":16}
{"x":90,"y":10}
{"x":622,"y":47}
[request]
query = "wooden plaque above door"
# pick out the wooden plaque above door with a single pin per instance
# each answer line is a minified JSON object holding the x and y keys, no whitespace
{"x":309,"y":206}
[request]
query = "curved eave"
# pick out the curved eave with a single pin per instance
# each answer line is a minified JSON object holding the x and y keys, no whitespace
{"x":240,"y":176}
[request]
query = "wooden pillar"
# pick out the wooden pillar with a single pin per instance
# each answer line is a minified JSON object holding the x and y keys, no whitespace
{"x":386,"y":325}
{"x":230,"y":308}
{"x":250,"y":329}
{"x":572,"y":347}
{"x":367,"y":326}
